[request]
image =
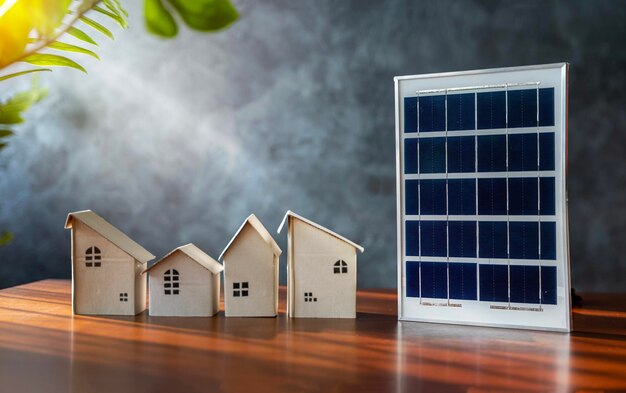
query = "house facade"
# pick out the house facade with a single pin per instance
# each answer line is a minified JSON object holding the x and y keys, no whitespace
{"x":106,"y":268}
{"x":185,"y":283}
{"x":251,"y":272}
{"x":321,"y":270}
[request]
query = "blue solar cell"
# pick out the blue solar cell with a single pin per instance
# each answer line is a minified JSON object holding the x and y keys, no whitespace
{"x":412,"y":238}
{"x":411,"y":200}
{"x":461,"y":154}
{"x":547,"y":192}
{"x":433,"y":196}
{"x":522,"y":105}
{"x":433,"y":238}
{"x":432,"y":155}
{"x":523,"y":240}
{"x":492,"y":239}
{"x":461,"y":196}
{"x":410,"y":114}
{"x":432,"y":113}
{"x":546,"y":107}
{"x":492,"y":153}
{"x":523,"y":152}
{"x":434,"y":280}
{"x":412,"y":279}
{"x":524,"y":287}
{"x":546,"y":151}
{"x":548,"y":284}
{"x":462,"y":239}
{"x":492,"y":196}
{"x":491,"y":110}
{"x":494,"y":283}
{"x":548,"y":240}
{"x":523,"y":196}
{"x":461,"y":112}
{"x":410,"y":155}
{"x":462,"y":278}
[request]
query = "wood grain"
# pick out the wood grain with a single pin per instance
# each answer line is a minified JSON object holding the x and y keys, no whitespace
{"x":43,"y":347}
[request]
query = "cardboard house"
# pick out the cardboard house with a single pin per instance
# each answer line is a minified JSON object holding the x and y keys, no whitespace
{"x":321,"y":270}
{"x":106,"y":268}
{"x":185,"y":283}
{"x":251,"y":272}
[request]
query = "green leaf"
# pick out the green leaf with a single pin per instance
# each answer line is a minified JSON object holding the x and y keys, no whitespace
{"x":11,"y":110}
{"x":5,"y":237}
{"x":115,"y":6}
{"x":9,"y":76}
{"x":97,"y":26}
{"x":45,"y":59}
{"x":206,"y":15}
{"x":6,"y":133}
{"x":81,"y":35}
{"x":113,"y":15}
{"x":71,"y":48}
{"x":158,"y":19}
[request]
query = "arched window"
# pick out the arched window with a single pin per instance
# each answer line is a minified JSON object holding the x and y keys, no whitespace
{"x":340,"y":267}
{"x":93,"y":257}
{"x":171,"y":282}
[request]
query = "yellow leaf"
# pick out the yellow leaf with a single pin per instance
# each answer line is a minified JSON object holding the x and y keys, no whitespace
{"x":47,"y":15}
{"x":15,"y":25}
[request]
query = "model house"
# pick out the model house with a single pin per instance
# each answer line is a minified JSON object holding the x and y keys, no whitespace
{"x":106,"y":268}
{"x":321,"y":270}
{"x":185,"y":283}
{"x":251,"y":272}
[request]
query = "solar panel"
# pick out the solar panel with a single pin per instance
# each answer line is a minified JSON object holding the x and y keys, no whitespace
{"x":482,"y":211}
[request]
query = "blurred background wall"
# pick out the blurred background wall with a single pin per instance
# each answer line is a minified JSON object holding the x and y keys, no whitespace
{"x":293,"y":108}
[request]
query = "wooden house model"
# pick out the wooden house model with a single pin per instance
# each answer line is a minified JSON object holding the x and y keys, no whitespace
{"x":251,"y":272}
{"x":185,"y":283}
{"x":106,"y":268}
{"x":321,"y":270}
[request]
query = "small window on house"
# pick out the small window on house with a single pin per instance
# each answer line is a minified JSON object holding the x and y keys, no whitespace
{"x":171,"y":282}
{"x":123,"y":297}
{"x":240,"y":289}
{"x":93,"y":257}
{"x":340,"y":267}
{"x":308,"y":297}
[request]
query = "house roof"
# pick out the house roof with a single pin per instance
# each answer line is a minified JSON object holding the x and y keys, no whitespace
{"x":111,"y":233}
{"x":258,"y":226}
{"x":318,"y":226}
{"x":197,"y":255}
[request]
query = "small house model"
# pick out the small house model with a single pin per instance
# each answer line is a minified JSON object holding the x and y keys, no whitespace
{"x":185,"y":283}
{"x":251,"y":272}
{"x":321,"y":270}
{"x":106,"y":268}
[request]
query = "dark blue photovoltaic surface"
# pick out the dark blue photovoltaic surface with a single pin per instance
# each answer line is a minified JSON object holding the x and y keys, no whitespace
{"x":410,"y":114}
{"x":461,"y":154}
{"x":523,"y":152}
{"x":434,"y":280}
{"x":432,"y":155}
{"x":461,"y":196}
{"x":433,"y":238}
{"x":492,"y":196}
{"x":546,"y":107}
{"x":523,"y":196}
{"x":412,"y":279}
{"x":433,"y":196}
{"x":462,"y":281}
{"x":410,"y":156}
{"x":432,"y":113}
{"x":548,"y":240}
{"x":492,"y":238}
{"x":494,"y":283}
{"x":412,"y":238}
{"x":524,"y":240}
{"x":546,"y":151}
{"x":522,"y":106}
{"x":461,"y":112}
{"x":548,"y":200}
{"x":548,"y":284}
{"x":492,"y":153}
{"x":462,"y":239}
{"x":524,"y":285}
{"x":411,"y":201}
{"x":491,"y":110}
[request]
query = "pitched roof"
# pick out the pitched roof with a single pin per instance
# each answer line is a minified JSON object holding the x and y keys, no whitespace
{"x":318,"y":226}
{"x":256,"y":224}
{"x":197,"y":255}
{"x":111,"y":233}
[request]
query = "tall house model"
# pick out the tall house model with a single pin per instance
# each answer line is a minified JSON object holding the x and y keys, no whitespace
{"x":321,"y":270}
{"x":106,"y":268}
{"x":185,"y":283}
{"x":251,"y":272}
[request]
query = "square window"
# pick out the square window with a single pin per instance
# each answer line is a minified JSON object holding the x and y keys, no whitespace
{"x":547,"y":195}
{"x":491,"y":153}
{"x":314,"y":299}
{"x":167,"y":285}
{"x":236,"y":293}
{"x":462,"y":239}
{"x":491,"y":110}
{"x":337,"y":270}
{"x":432,"y":113}
{"x":175,"y":285}
{"x":462,"y":196}
{"x":462,"y":277}
{"x":523,"y":152}
{"x":548,"y":240}
{"x":410,"y":114}
{"x":175,"y":292}
{"x":410,"y":156}
{"x":244,"y":293}
{"x":548,"y":284}
{"x":524,"y":284}
{"x":412,"y":279}
{"x":546,"y":151}
{"x":433,"y":196}
{"x":433,"y":238}
{"x":523,"y":195}
{"x":344,"y":269}
{"x":244,"y":285}
{"x":168,"y":292}
{"x":412,"y":238}
{"x":167,"y":277}
{"x":96,"y":264}
{"x":461,"y":154}
{"x":494,"y":283}
{"x":492,"y":239}
{"x":522,"y":105}
{"x":524,"y":240}
{"x":411,"y":200}
{"x":432,"y":155}
{"x":492,"y":196}
{"x":235,"y":285}
{"x":461,"y":111}
{"x":89,"y":264}
{"x":546,"y":107}
{"x":434,"y":280}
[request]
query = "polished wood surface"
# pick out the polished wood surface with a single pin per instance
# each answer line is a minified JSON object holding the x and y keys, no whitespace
{"x":44,"y":348}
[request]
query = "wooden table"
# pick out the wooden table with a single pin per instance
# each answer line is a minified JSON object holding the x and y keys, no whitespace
{"x":44,"y":348}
